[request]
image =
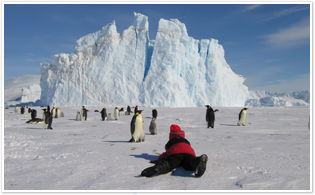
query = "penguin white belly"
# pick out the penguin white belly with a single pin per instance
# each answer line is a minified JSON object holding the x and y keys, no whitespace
{"x":242,"y":119}
{"x":138,"y":129}
{"x":116,"y":114}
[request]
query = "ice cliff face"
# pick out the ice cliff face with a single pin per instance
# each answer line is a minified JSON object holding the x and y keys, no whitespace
{"x":129,"y":69}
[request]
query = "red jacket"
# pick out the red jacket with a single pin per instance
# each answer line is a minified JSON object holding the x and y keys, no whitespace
{"x":176,"y":144}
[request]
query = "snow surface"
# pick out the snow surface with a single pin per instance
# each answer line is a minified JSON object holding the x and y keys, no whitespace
{"x":173,"y":70}
{"x":272,"y":152}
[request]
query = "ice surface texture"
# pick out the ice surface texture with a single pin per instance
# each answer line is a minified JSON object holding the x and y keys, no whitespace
{"x":129,"y":69}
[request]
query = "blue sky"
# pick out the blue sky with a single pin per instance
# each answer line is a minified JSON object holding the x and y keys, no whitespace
{"x":268,"y":44}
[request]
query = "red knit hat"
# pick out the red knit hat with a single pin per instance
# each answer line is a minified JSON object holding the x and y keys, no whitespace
{"x":176,"y":132}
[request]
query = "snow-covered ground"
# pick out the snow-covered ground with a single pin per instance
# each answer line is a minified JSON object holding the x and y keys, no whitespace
{"x":272,"y":152}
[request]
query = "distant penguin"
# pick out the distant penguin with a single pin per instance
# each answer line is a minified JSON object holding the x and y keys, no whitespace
{"x":58,"y":112}
{"x":16,"y":109}
{"x":210,"y":118}
{"x":116,"y":113}
{"x":61,"y":114}
{"x":154,"y":113}
{"x":109,"y":117}
{"x":48,"y":119}
{"x":121,"y":109}
{"x":33,"y":114}
{"x":44,"y":110}
{"x":96,"y":111}
{"x":242,"y":117}
{"x":29,"y":110}
{"x":53,"y":112}
{"x":22,"y":110}
{"x":136,"y":109}
{"x":84,"y":113}
{"x":82,"y":110}
{"x":128,"y":111}
{"x":153,"y":127}
{"x":136,"y":128}
{"x":104,"y":114}
{"x":78,"y":118}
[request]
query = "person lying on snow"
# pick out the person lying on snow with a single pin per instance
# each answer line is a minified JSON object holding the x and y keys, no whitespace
{"x":178,"y":153}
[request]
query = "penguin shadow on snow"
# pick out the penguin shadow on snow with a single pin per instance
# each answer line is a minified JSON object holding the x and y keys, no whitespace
{"x":117,"y":141}
{"x":145,"y":156}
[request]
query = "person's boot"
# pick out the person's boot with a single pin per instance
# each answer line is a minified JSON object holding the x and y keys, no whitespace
{"x":201,"y":167}
{"x":161,"y":167}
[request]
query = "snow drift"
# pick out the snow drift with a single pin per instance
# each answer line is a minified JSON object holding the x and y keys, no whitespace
{"x":173,"y":70}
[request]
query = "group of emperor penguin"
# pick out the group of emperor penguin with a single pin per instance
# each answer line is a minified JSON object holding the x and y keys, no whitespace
{"x":84,"y":112}
{"x":210,"y":116}
{"x":136,"y":125}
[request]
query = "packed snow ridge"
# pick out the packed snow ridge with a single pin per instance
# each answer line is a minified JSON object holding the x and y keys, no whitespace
{"x":129,"y":69}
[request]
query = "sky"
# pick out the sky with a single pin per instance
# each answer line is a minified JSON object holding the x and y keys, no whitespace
{"x":268,"y":44}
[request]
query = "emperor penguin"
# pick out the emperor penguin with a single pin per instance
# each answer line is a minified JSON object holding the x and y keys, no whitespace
{"x":104,"y":114}
{"x":116,"y":113}
{"x":153,"y":127}
{"x":48,"y":119}
{"x":128,"y":111}
{"x":22,"y":110}
{"x":78,"y":118}
{"x":16,"y":110}
{"x":242,"y":117}
{"x":136,"y":109}
{"x":82,"y":109}
{"x":53,"y":112}
{"x":109,"y":117}
{"x":136,"y":128}
{"x":84,"y":115}
{"x":29,"y":110}
{"x":210,"y":118}
{"x":57,"y":112}
{"x":154,"y":113}
{"x":44,"y":110}
{"x":33,"y":114}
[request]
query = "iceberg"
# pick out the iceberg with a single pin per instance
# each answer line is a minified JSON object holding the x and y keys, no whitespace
{"x":174,"y":70}
{"x":273,"y":99}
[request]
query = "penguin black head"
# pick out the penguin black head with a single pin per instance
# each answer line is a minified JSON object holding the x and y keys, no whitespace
{"x":245,"y":108}
{"x":207,"y":106}
{"x":139,"y":111}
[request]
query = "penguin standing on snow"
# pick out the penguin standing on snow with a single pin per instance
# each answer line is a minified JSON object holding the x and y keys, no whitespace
{"x":153,"y":127}
{"x":48,"y":119}
{"x":210,"y":118}
{"x":104,"y":114}
{"x":128,"y":111}
{"x":22,"y":110}
{"x":136,"y":128}
{"x":57,"y":112}
{"x":53,"y":112}
{"x":154,"y":113}
{"x":84,"y":114}
{"x":109,"y":117}
{"x":116,"y":113}
{"x":33,"y":114}
{"x":242,"y":117}
{"x":16,"y":110}
{"x":136,"y":109}
{"x":78,"y":118}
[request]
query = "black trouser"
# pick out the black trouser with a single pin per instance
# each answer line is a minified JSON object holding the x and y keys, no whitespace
{"x":188,"y":161}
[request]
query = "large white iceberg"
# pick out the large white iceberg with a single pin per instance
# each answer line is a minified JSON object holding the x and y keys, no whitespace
{"x":129,"y":69}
